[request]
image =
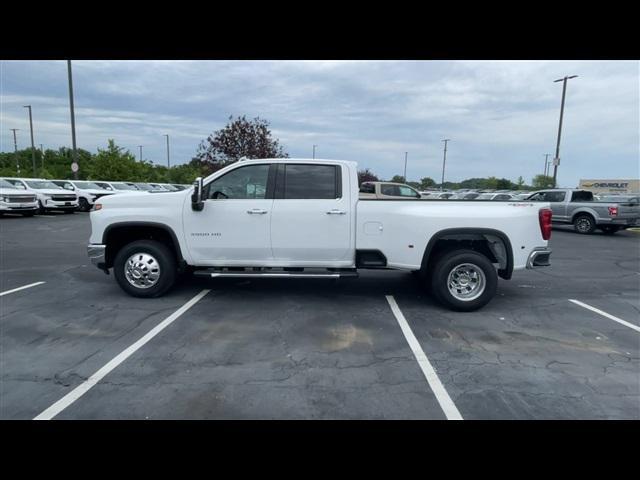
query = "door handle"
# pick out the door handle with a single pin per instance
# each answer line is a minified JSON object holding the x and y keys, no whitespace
{"x":336,"y":212}
{"x":256,"y":211}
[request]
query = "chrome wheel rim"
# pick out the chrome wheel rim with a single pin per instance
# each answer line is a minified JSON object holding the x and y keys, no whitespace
{"x":466,"y":282}
{"x":584,"y":224}
{"x":142,"y":270}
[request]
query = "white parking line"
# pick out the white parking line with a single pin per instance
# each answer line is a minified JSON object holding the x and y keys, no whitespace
{"x":605,"y":314}
{"x":21,"y":288}
{"x":84,"y":387}
{"x":448,"y":407}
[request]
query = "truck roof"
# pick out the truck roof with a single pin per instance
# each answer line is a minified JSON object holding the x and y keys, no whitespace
{"x":293,"y":160}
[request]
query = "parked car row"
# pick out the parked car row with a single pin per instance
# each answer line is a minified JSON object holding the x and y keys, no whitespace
{"x":392,"y":190}
{"x":580,"y":208}
{"x":28,"y":196}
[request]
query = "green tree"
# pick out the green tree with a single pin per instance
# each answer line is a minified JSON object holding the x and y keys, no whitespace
{"x":239,"y":138}
{"x":367,"y":175}
{"x":504,"y":184}
{"x":542,"y":181}
{"x":427,"y":182}
{"x":520,"y":183}
{"x":114,"y":163}
{"x":397,"y":179}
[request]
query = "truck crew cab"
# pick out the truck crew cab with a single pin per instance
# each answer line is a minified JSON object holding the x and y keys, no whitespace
{"x":301,"y":218}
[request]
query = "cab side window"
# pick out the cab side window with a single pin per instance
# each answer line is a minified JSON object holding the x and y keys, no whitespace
{"x":555,"y":196}
{"x":407,"y":192}
{"x":305,"y":181}
{"x":248,"y":182}
{"x":390,"y":190}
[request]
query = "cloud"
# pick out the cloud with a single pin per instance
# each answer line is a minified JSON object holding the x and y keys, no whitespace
{"x":502,"y":116}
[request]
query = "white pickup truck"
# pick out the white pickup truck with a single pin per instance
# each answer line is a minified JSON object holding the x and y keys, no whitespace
{"x":301,"y":218}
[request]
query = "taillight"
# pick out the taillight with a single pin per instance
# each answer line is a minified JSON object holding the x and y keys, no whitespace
{"x":544,"y":216}
{"x":613,"y":211}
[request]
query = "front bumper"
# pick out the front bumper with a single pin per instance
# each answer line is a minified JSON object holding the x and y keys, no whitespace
{"x":60,"y":205}
{"x":17,"y":207}
{"x":539,"y":257}
{"x":97,"y":255}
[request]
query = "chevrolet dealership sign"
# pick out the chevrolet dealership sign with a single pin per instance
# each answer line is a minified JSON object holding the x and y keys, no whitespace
{"x":611,"y":186}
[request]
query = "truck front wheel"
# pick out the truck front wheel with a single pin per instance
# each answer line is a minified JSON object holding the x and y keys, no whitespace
{"x":145,"y":268}
{"x":464,"y":280}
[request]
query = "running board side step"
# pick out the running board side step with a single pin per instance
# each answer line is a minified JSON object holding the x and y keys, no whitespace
{"x":215,"y":273}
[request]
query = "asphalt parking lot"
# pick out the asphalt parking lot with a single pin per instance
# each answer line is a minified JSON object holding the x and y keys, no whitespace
{"x":315,"y":349}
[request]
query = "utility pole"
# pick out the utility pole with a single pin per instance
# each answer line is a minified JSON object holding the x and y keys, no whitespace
{"x":74,"y":165}
{"x":444,"y":161}
{"x":15,"y":148}
{"x":405,"y":167}
{"x":556,"y":160}
{"x":168,"y":160}
{"x":140,"y":147}
{"x":314,"y":151}
{"x":33,"y":148}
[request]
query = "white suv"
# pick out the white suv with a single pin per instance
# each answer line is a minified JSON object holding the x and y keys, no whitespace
{"x":49,"y":195}
{"x":88,"y":192}
{"x":14,"y":200}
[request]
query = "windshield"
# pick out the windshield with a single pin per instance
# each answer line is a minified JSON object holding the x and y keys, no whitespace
{"x":88,"y":186}
{"x":144,"y":186}
{"x":123,"y":186}
{"x":171,"y":188}
{"x":5,"y":184}
{"x":42,"y":184}
{"x":485,"y":196}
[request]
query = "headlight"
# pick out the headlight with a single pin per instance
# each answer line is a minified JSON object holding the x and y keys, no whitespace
{"x":97,"y":206}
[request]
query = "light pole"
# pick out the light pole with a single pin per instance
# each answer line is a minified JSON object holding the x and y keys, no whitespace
{"x":405,"y":167}
{"x":33,"y":148}
{"x":314,"y":151}
{"x":168,"y":159}
{"x":556,"y":160}
{"x":444,"y":161}
{"x":73,"y":121}
{"x":546,"y":163}
{"x":15,"y":149}
{"x":140,"y":147}
{"x":42,"y":151}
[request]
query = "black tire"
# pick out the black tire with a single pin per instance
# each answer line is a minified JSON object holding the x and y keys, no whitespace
{"x":584,"y":224}
{"x":83,"y":205}
{"x":40,"y":210}
{"x":487,"y":282}
{"x":161,"y":254}
{"x":609,"y":229}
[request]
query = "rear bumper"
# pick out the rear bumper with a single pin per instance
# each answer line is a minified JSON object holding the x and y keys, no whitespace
{"x":539,"y":257}
{"x":96,"y":254}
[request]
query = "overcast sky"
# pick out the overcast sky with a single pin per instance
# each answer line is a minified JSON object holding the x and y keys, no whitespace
{"x":501,"y":117}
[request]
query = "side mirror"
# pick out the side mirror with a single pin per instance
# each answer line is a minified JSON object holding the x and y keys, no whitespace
{"x":197,"y":204}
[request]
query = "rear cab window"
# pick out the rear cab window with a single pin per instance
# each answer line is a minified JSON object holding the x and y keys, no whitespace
{"x":367,"y":188}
